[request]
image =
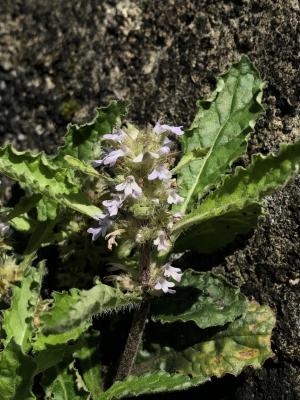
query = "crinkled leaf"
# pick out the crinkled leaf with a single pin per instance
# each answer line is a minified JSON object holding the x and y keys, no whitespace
{"x":39,"y":174}
{"x":148,"y":383}
{"x":89,"y":362}
{"x":83,"y":142}
{"x":18,"y":319}
{"x":72,"y":312}
{"x":234,"y":205}
{"x":202,"y":297}
{"x":59,"y":383}
{"x":16,"y":374}
{"x":62,"y":303}
{"x":221,"y":125}
{"x":245,"y":342}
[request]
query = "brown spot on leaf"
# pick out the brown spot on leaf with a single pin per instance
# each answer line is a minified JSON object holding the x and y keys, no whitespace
{"x":245,"y":354}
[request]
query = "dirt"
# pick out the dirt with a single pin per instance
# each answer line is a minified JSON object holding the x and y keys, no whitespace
{"x":60,"y":59}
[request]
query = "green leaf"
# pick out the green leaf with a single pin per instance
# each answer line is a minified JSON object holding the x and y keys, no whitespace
{"x":202,"y":297}
{"x":47,"y":209}
{"x":222,"y":125}
{"x":83,"y":142}
{"x":234,"y":204}
{"x":16,"y":374}
{"x":148,"y":383}
{"x":81,"y":166}
{"x":52,"y":355}
{"x":25,"y":204}
{"x":59,"y":383}
{"x":89,"y":362}
{"x":72,"y":312}
{"x":23,"y":223}
{"x":246,"y":342}
{"x":41,"y":176}
{"x":62,"y":303}
{"x":18,"y":319}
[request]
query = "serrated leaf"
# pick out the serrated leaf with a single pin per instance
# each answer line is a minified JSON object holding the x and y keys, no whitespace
{"x":16,"y":374}
{"x":83,"y":142}
{"x":18,"y":319}
{"x":59,"y":383}
{"x":222,"y":125}
{"x":89,"y":362}
{"x":72,"y":312}
{"x":62,"y":303}
{"x":235,"y":202}
{"x":39,"y":174}
{"x":148,"y":383}
{"x":202,"y":297}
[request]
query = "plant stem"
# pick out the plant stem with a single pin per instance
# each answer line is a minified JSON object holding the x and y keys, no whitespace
{"x":139,"y":319}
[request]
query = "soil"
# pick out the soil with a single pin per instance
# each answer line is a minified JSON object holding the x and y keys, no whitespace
{"x":60,"y":59}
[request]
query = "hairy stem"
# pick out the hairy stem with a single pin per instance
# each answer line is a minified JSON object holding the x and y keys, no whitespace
{"x":139,"y":319}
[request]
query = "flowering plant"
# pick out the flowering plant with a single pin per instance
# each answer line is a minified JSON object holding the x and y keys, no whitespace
{"x":134,"y":203}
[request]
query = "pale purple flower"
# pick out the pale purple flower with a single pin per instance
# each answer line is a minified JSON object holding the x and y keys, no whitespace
{"x":111,"y":157}
{"x":113,"y":205}
{"x":167,"y":128}
{"x":161,"y":173}
{"x":174,"y":198}
{"x":162,"y":241}
{"x":104,"y":224}
{"x":164,"y":285}
{"x":130,"y":188}
{"x":138,"y":158}
{"x":165,"y":149}
{"x":172,"y":272}
{"x":118,"y":135}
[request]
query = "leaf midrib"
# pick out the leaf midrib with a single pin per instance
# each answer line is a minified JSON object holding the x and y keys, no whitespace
{"x":190,"y":194}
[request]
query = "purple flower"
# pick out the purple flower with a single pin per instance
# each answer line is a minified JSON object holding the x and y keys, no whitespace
{"x":167,"y":128}
{"x":104,"y":224}
{"x":164,"y":285}
{"x":174,"y":198}
{"x":165,"y":149}
{"x":162,"y":241}
{"x":118,"y":135}
{"x":172,"y":272}
{"x":161,"y":173}
{"x":112,"y":157}
{"x":130,"y":188}
{"x":113,"y":205}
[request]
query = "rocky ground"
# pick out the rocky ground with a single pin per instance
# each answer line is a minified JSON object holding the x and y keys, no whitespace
{"x":60,"y":59}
